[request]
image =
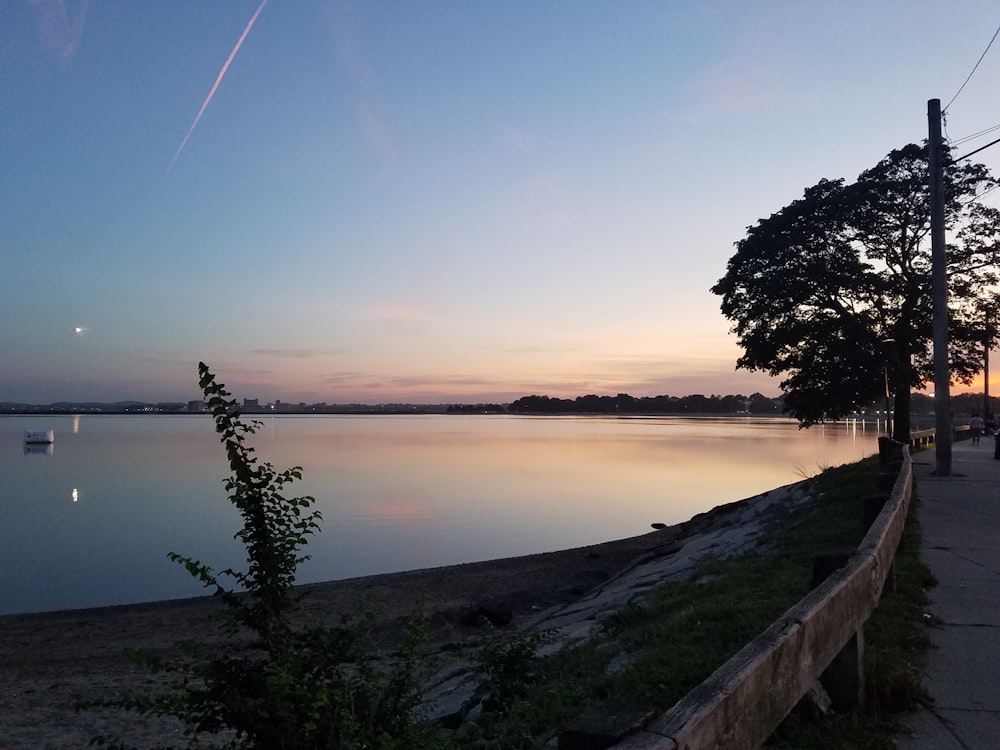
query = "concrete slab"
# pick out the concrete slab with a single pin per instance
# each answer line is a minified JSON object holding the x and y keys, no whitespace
{"x":974,"y":729}
{"x":967,"y":561}
{"x":960,"y":519}
{"x":928,"y":732}
{"x":940,"y":530}
{"x":963,"y":669}
{"x":967,"y":593}
{"x":968,"y":606}
{"x":951,"y":730}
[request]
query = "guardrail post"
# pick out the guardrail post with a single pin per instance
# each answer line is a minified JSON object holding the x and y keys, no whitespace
{"x":603,"y":727}
{"x":844,"y":679}
{"x":871,"y":506}
{"x":884,"y":449}
{"x":887,"y":478}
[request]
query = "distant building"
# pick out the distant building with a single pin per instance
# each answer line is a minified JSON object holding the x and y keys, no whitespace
{"x":251,"y":403}
{"x":197,"y":407}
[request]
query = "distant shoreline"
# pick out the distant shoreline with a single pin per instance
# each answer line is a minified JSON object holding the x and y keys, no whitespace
{"x":420,"y":411}
{"x":621,"y":404}
{"x":405,"y":412}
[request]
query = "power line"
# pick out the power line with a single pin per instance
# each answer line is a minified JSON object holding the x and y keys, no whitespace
{"x":973,"y":70}
{"x":981,"y":148}
{"x":980,"y":195}
{"x":973,"y":136}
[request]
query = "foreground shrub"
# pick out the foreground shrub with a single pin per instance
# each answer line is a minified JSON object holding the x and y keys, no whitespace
{"x":280,"y":681}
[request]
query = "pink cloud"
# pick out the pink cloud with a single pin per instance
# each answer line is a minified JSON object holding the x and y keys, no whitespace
{"x":557,"y":219}
{"x":734,"y":88}
{"x":519,"y":140}
{"x":59,"y":31}
{"x":294,"y":353}
{"x":395,"y":313}
{"x":345,"y":27}
{"x":377,"y":135}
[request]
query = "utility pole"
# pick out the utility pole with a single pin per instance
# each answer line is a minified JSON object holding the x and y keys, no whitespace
{"x":939,"y":282}
{"x":987,"y":339}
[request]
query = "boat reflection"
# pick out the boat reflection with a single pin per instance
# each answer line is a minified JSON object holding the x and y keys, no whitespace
{"x":38,"y":449}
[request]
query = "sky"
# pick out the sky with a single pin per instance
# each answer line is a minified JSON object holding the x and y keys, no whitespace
{"x":430,"y":202}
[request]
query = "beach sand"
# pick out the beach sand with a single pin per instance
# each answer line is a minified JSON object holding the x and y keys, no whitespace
{"x":50,"y":660}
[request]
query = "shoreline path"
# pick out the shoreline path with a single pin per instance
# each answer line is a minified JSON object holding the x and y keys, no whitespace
{"x":960,"y":521}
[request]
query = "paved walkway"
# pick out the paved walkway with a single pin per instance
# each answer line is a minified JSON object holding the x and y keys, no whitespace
{"x":960,"y":519}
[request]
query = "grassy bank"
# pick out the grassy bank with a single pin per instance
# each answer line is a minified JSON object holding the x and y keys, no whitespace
{"x":650,"y":656}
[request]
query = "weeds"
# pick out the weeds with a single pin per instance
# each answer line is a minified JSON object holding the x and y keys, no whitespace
{"x":509,"y":666}
{"x":280,"y":681}
{"x":686,"y":629}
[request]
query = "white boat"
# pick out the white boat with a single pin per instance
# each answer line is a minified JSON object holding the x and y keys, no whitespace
{"x":39,"y":436}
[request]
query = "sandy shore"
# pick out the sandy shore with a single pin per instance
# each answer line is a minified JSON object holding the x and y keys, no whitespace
{"x":49,"y":660}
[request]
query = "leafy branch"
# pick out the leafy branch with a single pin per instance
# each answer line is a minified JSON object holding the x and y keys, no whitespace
{"x":281,"y":681}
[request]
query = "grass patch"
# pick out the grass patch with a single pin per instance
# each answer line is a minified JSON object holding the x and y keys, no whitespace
{"x":685,"y":630}
{"x":896,"y":641}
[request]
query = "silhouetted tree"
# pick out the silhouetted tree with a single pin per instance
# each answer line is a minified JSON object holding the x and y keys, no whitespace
{"x":626,"y":404}
{"x":760,"y":404}
{"x":833,"y":291}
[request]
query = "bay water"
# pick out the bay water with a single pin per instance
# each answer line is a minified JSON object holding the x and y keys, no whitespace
{"x":90,"y":520}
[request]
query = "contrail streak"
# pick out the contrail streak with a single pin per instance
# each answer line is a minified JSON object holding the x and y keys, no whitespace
{"x":218,"y":80}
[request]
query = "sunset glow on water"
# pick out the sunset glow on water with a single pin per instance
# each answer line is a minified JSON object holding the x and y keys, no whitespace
{"x":92,"y":522}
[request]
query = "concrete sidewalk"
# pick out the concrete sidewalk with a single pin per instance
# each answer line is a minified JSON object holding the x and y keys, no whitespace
{"x":960,"y":519}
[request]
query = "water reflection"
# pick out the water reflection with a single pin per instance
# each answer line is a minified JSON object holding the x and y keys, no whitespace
{"x":396,"y":493}
{"x":460,"y":489}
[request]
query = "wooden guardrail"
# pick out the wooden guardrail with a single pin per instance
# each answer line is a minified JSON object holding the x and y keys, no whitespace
{"x":740,"y":705}
{"x":923,"y":438}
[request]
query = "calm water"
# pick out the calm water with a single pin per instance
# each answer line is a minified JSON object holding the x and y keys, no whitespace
{"x":91,"y":523}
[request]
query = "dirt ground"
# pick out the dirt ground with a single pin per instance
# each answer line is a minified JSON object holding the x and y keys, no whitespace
{"x":48,"y":661}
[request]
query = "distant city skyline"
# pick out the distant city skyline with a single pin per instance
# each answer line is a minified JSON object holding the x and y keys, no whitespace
{"x":251,"y":404}
{"x":364,"y":202}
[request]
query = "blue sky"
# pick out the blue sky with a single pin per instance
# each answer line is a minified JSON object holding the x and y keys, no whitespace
{"x":429,"y":201}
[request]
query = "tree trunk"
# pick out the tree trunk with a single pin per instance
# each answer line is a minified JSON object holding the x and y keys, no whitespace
{"x":901,"y":375}
{"x":901,"y":414}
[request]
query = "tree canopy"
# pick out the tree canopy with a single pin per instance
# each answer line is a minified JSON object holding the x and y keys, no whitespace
{"x":623,"y":403}
{"x":833,"y":292}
